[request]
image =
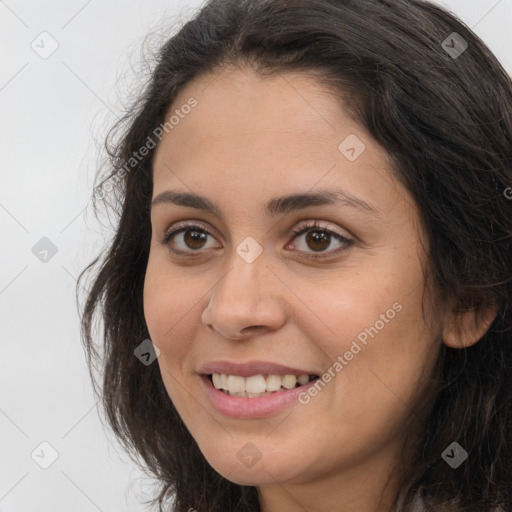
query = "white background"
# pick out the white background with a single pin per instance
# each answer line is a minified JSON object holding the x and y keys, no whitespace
{"x":53,"y":112}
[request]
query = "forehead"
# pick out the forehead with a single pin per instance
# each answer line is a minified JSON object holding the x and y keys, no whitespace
{"x":240,"y":102}
{"x":260,"y":133}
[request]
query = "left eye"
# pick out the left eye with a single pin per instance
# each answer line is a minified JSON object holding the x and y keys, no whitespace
{"x":318,"y":239}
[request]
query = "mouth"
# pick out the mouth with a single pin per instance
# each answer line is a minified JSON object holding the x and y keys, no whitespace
{"x":256,"y":386}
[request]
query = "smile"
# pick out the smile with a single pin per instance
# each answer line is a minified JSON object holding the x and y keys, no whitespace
{"x":248,"y":404}
{"x":257,"y":385}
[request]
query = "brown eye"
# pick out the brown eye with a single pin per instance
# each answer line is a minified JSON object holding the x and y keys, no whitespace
{"x":318,"y":239}
{"x":189,"y":238}
{"x":194,"y":239}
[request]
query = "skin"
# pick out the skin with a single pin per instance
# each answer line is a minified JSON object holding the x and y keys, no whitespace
{"x":248,"y":140}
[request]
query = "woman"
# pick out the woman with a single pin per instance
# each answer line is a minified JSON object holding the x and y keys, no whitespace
{"x":307,"y":300}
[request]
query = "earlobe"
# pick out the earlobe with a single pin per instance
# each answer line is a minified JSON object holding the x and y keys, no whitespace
{"x":466,"y":328}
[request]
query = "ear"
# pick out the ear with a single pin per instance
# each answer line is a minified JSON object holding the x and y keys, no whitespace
{"x":463,"y":329}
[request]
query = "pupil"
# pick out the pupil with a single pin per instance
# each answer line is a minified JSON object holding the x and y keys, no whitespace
{"x":191,"y":241}
{"x":317,"y":236}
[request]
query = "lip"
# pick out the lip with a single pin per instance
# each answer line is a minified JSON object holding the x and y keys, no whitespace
{"x":251,"y":368}
{"x":249,"y":408}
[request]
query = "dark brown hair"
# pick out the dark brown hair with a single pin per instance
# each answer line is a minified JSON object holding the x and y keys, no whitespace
{"x":446,"y":122}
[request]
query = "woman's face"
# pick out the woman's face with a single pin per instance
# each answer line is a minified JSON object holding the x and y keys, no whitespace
{"x":243,"y":289}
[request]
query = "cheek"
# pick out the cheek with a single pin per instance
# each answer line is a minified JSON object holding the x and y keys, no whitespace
{"x":163,"y":307}
{"x":156,"y":302}
{"x":172,"y":310}
{"x":374,"y":322}
{"x":395,"y":356}
{"x":165,"y":299}
{"x":356,"y":307}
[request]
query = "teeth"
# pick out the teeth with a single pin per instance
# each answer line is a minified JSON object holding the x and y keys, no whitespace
{"x":235,"y":384}
{"x":289,"y":381}
{"x":255,"y":395}
{"x":256,"y":385}
{"x":303,"y":379}
{"x":217,"y":380}
{"x":274,"y":382}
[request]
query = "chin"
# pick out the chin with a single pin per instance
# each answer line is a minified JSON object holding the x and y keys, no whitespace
{"x":256,"y":472}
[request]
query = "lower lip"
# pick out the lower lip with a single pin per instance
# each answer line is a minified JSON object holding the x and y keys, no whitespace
{"x":246,"y":408}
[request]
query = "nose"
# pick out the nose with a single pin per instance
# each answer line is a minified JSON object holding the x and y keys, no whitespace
{"x":247,"y":300}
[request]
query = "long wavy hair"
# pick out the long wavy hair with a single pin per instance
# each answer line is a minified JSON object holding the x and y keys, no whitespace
{"x":446,"y":122}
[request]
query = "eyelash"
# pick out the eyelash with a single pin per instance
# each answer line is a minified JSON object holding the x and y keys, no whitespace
{"x":311,"y":226}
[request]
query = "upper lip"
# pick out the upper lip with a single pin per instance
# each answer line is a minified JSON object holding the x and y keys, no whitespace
{"x":250,"y":368}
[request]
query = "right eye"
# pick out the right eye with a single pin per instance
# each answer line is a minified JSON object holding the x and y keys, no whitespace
{"x":193,"y":238}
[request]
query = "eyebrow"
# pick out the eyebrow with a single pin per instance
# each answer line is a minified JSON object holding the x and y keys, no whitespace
{"x":275,"y":206}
